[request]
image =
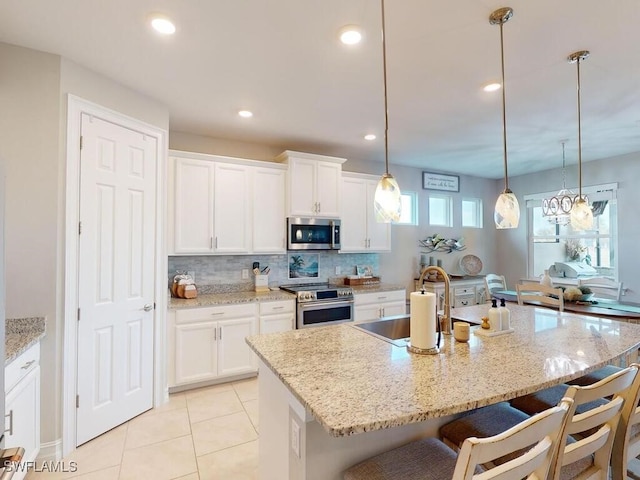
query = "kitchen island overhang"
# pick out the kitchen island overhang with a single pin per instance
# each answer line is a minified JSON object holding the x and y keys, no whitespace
{"x":339,"y":382}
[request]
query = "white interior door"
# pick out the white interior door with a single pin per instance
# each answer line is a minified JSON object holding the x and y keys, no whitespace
{"x":115,"y":276}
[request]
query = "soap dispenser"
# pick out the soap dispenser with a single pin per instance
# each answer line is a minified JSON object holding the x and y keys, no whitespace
{"x":505,"y":316}
{"x":494,"y":316}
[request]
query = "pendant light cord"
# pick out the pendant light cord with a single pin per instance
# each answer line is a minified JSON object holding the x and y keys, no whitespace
{"x":564,"y":173}
{"x":386,"y":109}
{"x":579,"y":135}
{"x":504,"y":113}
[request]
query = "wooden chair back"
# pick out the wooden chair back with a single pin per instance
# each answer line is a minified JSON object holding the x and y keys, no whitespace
{"x":597,"y":426}
{"x":603,"y":287}
{"x":545,"y":432}
{"x":493,"y":282}
{"x":626,"y":444}
{"x":542,"y":294}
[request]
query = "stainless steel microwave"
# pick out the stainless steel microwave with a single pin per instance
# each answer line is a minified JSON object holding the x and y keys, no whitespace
{"x":313,"y":233}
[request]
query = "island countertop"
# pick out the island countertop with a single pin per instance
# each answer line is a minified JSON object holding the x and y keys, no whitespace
{"x":352,"y":382}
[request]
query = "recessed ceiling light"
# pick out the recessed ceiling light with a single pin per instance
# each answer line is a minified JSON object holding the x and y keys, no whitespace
{"x":163,"y":25}
{"x":370,"y":136}
{"x":245,"y":113}
{"x":491,"y":87}
{"x":350,"y":35}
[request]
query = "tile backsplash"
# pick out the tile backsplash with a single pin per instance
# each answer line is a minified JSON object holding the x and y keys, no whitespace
{"x":224,"y":272}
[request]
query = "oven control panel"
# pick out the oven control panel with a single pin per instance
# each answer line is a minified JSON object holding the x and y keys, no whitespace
{"x":328,"y":294}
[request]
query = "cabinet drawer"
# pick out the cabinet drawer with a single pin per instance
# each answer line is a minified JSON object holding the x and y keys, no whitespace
{"x":379,"y":297}
{"x":465,"y":291}
{"x":280,"y":306}
{"x":219,"y":312}
{"x":21,"y":366}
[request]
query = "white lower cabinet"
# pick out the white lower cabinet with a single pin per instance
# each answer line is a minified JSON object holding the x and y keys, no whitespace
{"x":22,"y":409}
{"x":279,"y":316}
{"x":372,"y":306}
{"x":210,"y":343}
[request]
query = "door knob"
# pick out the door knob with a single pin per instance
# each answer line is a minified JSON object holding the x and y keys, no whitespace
{"x":148,"y":307}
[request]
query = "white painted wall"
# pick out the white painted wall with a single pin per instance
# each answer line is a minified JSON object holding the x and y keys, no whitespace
{"x":33,"y":101}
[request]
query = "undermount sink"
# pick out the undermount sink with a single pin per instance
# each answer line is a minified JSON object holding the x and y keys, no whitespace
{"x":394,"y":330}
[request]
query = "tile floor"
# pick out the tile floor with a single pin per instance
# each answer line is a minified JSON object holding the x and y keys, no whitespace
{"x":205,"y":434}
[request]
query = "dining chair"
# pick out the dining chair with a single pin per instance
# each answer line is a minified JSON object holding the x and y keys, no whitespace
{"x":590,"y":432}
{"x":540,"y":294}
{"x":492,"y":283}
{"x":430,"y":459}
{"x":626,"y":445}
{"x":603,"y":287}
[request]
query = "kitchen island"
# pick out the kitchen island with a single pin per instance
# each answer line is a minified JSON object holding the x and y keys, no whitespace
{"x":332,"y":396}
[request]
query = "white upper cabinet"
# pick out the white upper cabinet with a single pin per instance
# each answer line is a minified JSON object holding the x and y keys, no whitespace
{"x":360,"y":232}
{"x":193,"y":206}
{"x":269,"y":228}
{"x":313,"y":188}
{"x":222,"y":205}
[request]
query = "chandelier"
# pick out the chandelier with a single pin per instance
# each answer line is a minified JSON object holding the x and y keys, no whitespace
{"x":557,"y":209}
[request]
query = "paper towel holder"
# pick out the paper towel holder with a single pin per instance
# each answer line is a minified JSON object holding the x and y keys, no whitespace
{"x":427,"y":351}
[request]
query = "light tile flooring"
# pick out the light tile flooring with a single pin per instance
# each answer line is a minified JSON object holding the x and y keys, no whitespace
{"x":205,"y":434}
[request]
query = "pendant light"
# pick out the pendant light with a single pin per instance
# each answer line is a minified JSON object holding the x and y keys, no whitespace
{"x":387,"y":200}
{"x":507,"y":210}
{"x":581,"y":214}
{"x":557,"y":209}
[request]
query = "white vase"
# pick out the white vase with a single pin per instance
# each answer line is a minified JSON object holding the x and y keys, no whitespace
{"x":546,"y":279}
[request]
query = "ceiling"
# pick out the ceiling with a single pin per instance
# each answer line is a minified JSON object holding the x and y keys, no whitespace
{"x":282,"y":60}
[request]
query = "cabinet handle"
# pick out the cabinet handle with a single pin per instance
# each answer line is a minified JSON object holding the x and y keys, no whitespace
{"x":220,"y":338}
{"x":218,"y":313}
{"x":215,"y":334}
{"x":381,"y":298}
{"x":368,"y":243}
{"x":216,"y":243}
{"x":28,"y":364}
{"x":10,"y":415}
{"x":278,"y":308}
{"x":383,"y":311}
{"x":319,"y":207}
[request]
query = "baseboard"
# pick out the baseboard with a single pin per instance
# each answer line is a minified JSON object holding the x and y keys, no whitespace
{"x":216,"y":381}
{"x":50,"y":451}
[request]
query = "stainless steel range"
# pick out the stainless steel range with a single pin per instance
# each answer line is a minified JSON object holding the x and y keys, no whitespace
{"x":322,"y":304}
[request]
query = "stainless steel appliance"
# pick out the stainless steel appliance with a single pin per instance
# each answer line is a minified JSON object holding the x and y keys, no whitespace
{"x":322,"y":304}
{"x":313,"y":233}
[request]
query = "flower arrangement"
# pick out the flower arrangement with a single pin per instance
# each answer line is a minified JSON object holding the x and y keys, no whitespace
{"x":574,"y":249}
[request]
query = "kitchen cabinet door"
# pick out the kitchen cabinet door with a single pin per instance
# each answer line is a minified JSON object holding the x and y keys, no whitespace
{"x":282,"y":322}
{"x":232,"y":212}
{"x":302,"y":186}
{"x":328,"y":189}
{"x":22,"y":420}
{"x":196,"y":352}
{"x":360,"y":232}
{"x":269,"y":227}
{"x":193,"y":205}
{"x":353,"y":230}
{"x":234,"y":355}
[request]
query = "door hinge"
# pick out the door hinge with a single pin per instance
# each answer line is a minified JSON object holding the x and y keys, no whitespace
{"x":81,"y":142}
{"x":77,"y":401}
{"x":78,"y":314}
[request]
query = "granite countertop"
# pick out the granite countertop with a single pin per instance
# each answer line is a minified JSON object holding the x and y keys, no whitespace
{"x":352,"y":382}
{"x":208,"y":299}
{"x":20,"y":334}
{"x":229,"y":298}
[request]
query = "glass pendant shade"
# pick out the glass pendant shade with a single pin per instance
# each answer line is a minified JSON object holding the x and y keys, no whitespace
{"x":507,"y":211}
{"x":581,"y":215}
{"x":387,"y":201}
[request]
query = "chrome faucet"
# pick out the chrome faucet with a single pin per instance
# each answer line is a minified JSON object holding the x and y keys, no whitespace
{"x":445,"y":319}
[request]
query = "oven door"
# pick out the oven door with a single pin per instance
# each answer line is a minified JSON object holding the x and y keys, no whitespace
{"x":316,"y":314}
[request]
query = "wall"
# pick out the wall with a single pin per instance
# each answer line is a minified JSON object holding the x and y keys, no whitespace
{"x":30,"y":146}
{"x":512,"y":244}
{"x":33,"y":122}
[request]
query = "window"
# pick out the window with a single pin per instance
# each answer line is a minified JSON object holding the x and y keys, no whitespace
{"x":440,"y":210}
{"x":472,"y":212}
{"x":409,"y":214}
{"x":549,"y":243}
